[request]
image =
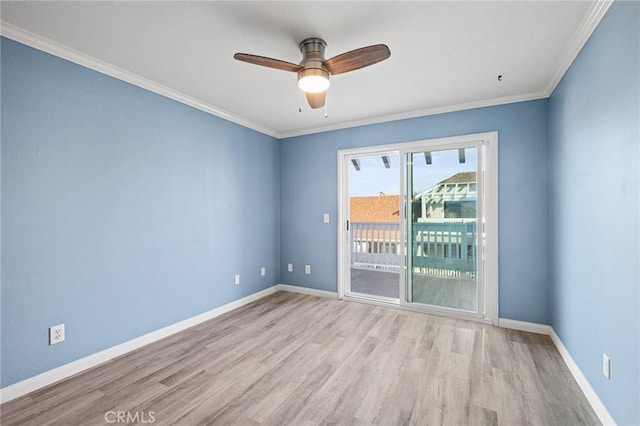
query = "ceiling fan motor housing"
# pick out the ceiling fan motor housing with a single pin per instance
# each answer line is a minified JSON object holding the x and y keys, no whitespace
{"x":312,"y":58}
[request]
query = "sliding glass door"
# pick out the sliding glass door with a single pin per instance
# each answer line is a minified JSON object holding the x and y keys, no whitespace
{"x":445,"y":195}
{"x":418,"y":225}
{"x":374,"y":226}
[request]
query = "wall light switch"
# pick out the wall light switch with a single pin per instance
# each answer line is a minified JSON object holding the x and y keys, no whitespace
{"x":290,"y":267}
{"x":237,"y":279}
{"x":263,"y":271}
{"x":606,"y":366}
{"x":325,"y":218}
{"x":307,"y":269}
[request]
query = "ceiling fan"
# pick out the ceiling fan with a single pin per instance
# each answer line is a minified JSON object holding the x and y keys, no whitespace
{"x":314,"y":71}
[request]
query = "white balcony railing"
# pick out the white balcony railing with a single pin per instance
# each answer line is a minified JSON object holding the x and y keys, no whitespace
{"x":445,"y":247}
{"x":375,"y":245}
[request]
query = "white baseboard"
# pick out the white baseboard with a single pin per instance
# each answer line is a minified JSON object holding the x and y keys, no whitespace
{"x":531,"y":327}
{"x":307,"y":290}
{"x":49,"y":377}
{"x":595,"y":402}
{"x":597,"y":405}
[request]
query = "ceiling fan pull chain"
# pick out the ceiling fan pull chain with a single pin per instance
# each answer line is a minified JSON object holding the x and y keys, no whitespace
{"x":326,"y":106}
{"x":299,"y":100}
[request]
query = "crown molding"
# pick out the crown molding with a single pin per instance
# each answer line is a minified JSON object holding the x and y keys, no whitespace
{"x":49,"y":46}
{"x":598,"y":9}
{"x":46,"y":45}
{"x":418,"y":113}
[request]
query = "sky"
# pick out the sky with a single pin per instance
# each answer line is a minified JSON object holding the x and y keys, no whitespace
{"x":373,"y":178}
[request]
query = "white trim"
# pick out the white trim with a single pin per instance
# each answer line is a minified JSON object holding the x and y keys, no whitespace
{"x":589,"y":24}
{"x":491,"y":229}
{"x":47,"y":45}
{"x":589,"y":393}
{"x":306,"y":290}
{"x":343,"y":215}
{"x":418,"y":113}
{"x":54,"y":48}
{"x":530,"y":327}
{"x":579,"y":39}
{"x":48,"y":377}
{"x":491,"y":278}
{"x":435,"y":143}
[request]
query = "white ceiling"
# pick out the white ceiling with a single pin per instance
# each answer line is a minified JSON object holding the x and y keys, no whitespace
{"x":444,"y":55}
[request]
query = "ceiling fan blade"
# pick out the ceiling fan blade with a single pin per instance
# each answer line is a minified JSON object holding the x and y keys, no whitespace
{"x":316,"y":100}
{"x":267,"y":62}
{"x":357,"y":59}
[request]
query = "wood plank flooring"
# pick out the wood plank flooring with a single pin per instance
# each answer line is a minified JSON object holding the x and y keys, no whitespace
{"x":291,"y":359}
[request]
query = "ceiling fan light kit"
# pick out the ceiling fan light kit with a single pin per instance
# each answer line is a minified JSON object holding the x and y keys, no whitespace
{"x":314,"y":71}
{"x":313,"y":80}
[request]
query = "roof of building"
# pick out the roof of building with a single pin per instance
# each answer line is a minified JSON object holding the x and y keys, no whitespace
{"x":457,"y":187}
{"x":462,"y":177}
{"x":377,"y":208}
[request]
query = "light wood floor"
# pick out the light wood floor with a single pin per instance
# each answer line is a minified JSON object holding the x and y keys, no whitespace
{"x":303,"y":360}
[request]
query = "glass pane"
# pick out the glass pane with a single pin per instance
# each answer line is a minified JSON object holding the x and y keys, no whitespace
{"x":374,"y":225}
{"x":442,"y":231}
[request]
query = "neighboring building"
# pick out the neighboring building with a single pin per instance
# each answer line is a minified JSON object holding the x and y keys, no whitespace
{"x":375,"y":231}
{"x":443,"y":229}
{"x":376,"y":208}
{"x":452,"y":198}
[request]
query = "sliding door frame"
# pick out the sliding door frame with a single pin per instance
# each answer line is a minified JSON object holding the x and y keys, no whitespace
{"x":344,"y":256}
{"x":489,"y":232}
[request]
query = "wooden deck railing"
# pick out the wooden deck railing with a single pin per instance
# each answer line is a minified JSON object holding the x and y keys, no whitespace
{"x":442,"y":248}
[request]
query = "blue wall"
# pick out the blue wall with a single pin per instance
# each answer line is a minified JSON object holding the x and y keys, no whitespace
{"x":309,"y":188}
{"x":122,"y":211}
{"x":594,"y":132}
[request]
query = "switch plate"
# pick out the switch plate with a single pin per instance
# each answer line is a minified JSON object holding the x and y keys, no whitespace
{"x":606,"y":366}
{"x":307,"y":269}
{"x":263,"y":271}
{"x":326,"y":218}
{"x":56,"y":334}
{"x":237,"y":279}
{"x":290,"y":267}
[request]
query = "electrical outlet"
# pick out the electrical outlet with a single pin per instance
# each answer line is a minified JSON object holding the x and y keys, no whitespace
{"x":307,"y":269}
{"x":326,"y":218}
{"x":290,"y":267}
{"x":237,"y":279}
{"x":263,"y":271}
{"x":56,"y":334}
{"x":606,"y":366}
